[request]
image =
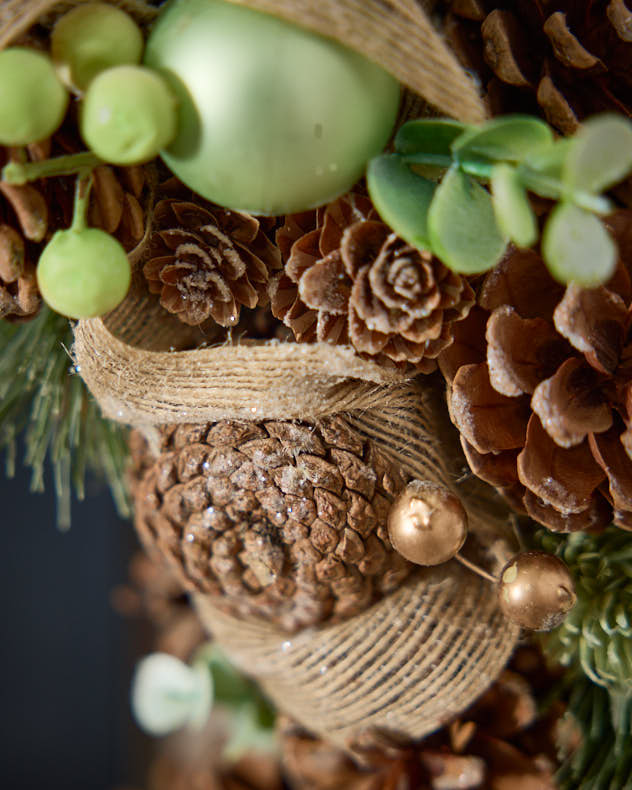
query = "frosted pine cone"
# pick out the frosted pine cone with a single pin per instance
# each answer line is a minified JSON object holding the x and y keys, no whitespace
{"x":349,"y":279}
{"x":541,"y":389}
{"x":565,"y":58}
{"x":280,"y":520}
{"x":207,"y":262}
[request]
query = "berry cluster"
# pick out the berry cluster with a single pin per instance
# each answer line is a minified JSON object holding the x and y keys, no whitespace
{"x":127,"y":115}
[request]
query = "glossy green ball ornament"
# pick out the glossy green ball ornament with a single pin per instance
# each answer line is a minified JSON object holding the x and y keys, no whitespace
{"x":128,"y":115}
{"x":83,"y":273}
{"x":273,"y":118}
{"x":33,"y":101}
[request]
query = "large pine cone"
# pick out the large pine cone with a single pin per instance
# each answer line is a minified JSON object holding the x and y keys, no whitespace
{"x":280,"y":520}
{"x":566,"y":58}
{"x":349,"y":279}
{"x":541,"y":389}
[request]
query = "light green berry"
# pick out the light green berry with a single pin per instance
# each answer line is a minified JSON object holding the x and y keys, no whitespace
{"x":91,"y":38}
{"x":128,"y":115}
{"x":33,"y":101}
{"x":83,"y":273}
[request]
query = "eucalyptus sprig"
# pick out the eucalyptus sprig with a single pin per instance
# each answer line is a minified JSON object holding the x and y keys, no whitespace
{"x":429,"y":191}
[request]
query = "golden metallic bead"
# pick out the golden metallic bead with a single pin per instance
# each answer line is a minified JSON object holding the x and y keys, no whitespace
{"x":536,"y":590}
{"x":427,"y":523}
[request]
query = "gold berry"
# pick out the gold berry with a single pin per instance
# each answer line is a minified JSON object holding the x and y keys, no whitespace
{"x":536,"y":590}
{"x":427,"y":523}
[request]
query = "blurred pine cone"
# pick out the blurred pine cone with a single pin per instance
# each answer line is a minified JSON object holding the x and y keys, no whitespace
{"x":280,"y":520}
{"x":540,"y":388}
{"x":30,"y":215}
{"x":206,"y":261}
{"x":348,"y":279}
{"x":560,"y":58}
{"x":498,"y":744}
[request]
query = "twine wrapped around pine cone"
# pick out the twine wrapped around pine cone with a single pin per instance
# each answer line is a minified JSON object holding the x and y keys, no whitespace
{"x":207,"y":262}
{"x":349,"y":279}
{"x":422,"y":653}
{"x":279,"y":520}
{"x":568,"y":59}
{"x":540,"y":389}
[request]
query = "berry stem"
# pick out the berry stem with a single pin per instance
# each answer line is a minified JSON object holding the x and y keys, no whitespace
{"x":475,"y":568}
{"x":82,"y":197}
{"x":19,"y":173}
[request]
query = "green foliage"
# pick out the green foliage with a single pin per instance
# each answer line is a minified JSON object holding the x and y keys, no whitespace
{"x":595,"y":644}
{"x":40,"y":397}
{"x":467,"y":229}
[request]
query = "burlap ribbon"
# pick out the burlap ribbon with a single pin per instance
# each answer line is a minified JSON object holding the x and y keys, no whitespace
{"x":421,"y":655}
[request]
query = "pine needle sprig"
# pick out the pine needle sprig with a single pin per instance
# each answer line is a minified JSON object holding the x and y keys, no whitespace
{"x":42,"y":397}
{"x":595,"y":643}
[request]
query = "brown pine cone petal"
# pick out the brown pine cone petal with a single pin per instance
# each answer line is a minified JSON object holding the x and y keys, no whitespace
{"x":596,"y":516}
{"x":521,"y":280}
{"x":377,"y":317}
{"x":505,"y":48}
{"x":304,"y":254}
{"x":488,"y":420}
{"x":521,"y":352}
{"x":11,"y":254}
{"x":510,"y":769}
{"x":30,"y":209}
{"x":332,"y":328}
{"x":610,"y":454}
{"x":361,"y":244}
{"x":571,"y":404}
{"x":468,"y":345}
{"x":325,"y":286}
{"x":106,"y":208}
{"x":594,"y":321}
{"x":557,"y":111}
{"x":365,"y":340}
{"x":565,"y":478}
{"x":498,"y":469}
{"x":621,"y":19}
{"x":568,"y":50}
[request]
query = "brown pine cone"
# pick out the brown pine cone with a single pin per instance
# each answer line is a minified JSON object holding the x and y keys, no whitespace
{"x":348,"y":279}
{"x":497,"y":744}
{"x":32,"y":213}
{"x":565,"y":58}
{"x":541,"y":389}
{"x":206,"y":261}
{"x":281,"y":520}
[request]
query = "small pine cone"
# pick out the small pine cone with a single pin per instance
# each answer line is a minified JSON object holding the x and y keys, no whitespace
{"x":348,"y":279}
{"x":566,"y":59}
{"x":280,"y":520}
{"x":207,"y":262}
{"x":540,"y":388}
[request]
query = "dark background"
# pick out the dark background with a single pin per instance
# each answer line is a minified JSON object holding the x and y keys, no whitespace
{"x":66,"y":656}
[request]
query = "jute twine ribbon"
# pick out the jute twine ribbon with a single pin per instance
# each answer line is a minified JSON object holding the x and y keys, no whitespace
{"x":421,"y":655}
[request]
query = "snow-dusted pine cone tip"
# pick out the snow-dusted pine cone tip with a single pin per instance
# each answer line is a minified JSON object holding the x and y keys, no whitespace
{"x":280,"y":520}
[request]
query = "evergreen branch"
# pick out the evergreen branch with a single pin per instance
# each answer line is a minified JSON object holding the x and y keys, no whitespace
{"x":595,"y":644}
{"x":42,"y":397}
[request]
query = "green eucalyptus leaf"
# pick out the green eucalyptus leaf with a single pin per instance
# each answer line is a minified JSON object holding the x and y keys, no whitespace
{"x":601,"y":154}
{"x":549,"y":161}
{"x":512,"y":208}
{"x":428,"y":136}
{"x":401,"y":197}
{"x":577,"y":247}
{"x":509,"y":138}
{"x":462,"y":226}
